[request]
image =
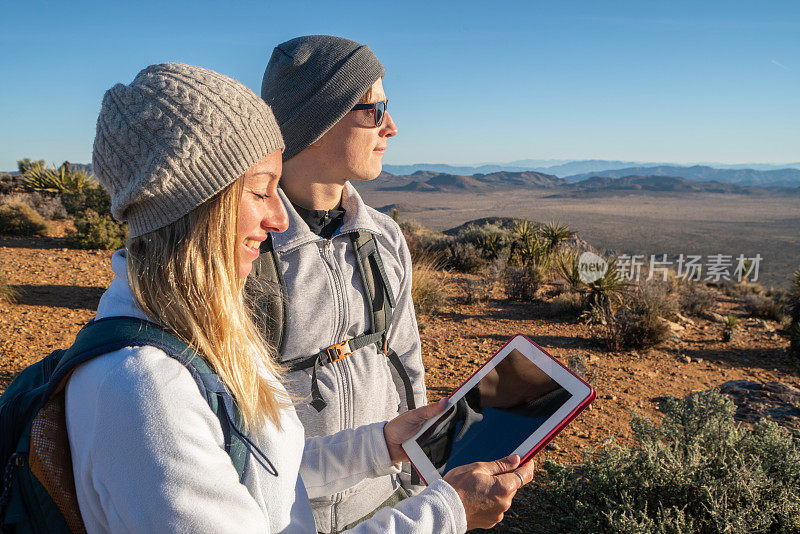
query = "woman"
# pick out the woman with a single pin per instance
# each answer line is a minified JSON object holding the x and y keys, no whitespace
{"x":191,"y":160}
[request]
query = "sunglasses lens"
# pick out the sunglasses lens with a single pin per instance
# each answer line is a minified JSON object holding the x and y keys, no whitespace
{"x":380,"y":110}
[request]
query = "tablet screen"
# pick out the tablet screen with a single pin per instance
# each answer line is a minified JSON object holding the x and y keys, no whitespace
{"x":494,"y":417}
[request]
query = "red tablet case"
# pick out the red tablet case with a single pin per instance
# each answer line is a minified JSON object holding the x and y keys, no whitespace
{"x":572,"y":415}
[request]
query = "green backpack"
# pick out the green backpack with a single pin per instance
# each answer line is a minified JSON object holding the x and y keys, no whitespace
{"x":38,"y":487}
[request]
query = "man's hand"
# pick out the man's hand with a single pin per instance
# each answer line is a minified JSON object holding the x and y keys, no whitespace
{"x":487,"y":488}
{"x":405,"y":425}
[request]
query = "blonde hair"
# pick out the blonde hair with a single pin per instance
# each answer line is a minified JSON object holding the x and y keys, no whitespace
{"x":185,"y":275}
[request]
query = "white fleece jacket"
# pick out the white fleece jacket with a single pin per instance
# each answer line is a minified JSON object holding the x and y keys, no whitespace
{"x":148,"y":454}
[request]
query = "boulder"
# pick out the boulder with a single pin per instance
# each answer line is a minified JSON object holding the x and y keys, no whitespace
{"x":772,"y":400}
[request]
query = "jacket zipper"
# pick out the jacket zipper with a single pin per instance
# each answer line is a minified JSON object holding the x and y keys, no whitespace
{"x":340,"y":331}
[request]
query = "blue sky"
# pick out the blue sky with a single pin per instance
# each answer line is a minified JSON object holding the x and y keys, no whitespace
{"x":468,"y":81}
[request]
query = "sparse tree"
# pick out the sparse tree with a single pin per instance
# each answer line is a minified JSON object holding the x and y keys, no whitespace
{"x":26,"y":164}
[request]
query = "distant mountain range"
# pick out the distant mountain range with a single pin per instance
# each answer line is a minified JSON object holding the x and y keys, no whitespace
{"x":770,"y":178}
{"x":594,"y":186}
{"x":578,"y":170}
{"x":435,"y":181}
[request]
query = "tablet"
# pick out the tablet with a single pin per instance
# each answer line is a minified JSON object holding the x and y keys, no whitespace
{"x":514,"y":404}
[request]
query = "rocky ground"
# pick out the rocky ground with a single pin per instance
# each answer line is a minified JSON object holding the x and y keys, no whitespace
{"x":59,"y":289}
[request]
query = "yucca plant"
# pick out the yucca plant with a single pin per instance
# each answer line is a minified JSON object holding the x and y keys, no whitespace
{"x":603,"y":300}
{"x":728,"y":328}
{"x":554,"y":235}
{"x":64,"y":179}
{"x":523,"y":230}
{"x":535,"y":252}
{"x":606,"y":293}
{"x":491,"y":245}
{"x":568,"y":267}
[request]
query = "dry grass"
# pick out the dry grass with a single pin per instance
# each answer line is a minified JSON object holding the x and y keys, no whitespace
{"x":426,"y":286}
{"x":7,"y":293}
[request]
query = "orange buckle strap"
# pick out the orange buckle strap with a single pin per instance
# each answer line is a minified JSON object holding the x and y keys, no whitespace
{"x":339,"y":351}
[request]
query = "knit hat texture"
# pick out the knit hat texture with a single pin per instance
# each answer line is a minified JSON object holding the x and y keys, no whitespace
{"x":311,"y":82}
{"x":174,"y":138}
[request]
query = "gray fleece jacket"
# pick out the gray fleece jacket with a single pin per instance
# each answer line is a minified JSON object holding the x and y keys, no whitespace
{"x":327,"y":305}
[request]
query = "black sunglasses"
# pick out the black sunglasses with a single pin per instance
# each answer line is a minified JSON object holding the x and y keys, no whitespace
{"x":378,"y":109}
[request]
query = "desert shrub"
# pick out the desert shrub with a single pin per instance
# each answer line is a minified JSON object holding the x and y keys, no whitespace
{"x":578,"y":364}
{"x":18,"y":218}
{"x":6,"y":183}
{"x":94,"y":231}
{"x":639,"y":323}
{"x":523,"y":283}
{"x":464,"y":257}
{"x":655,"y":297}
{"x":48,"y":206}
{"x":695,"y":472}
{"x":732,"y":288}
{"x":92,"y":198}
{"x":411,"y":228}
{"x":763,"y":307}
{"x":7,"y":293}
{"x":695,"y":299}
{"x":426,"y":289}
{"x":622,"y":315}
{"x":476,"y":290}
{"x":475,"y":233}
{"x":638,"y":328}
{"x":793,"y":309}
{"x":569,"y":303}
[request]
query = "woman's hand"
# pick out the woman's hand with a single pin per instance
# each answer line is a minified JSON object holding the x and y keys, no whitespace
{"x":405,"y":425}
{"x":487,"y":488}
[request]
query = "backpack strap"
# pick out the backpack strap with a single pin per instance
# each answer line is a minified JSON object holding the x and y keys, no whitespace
{"x":113,"y":333}
{"x":379,"y":290}
{"x":267,"y":291}
{"x":376,"y":283}
{"x":380,"y":300}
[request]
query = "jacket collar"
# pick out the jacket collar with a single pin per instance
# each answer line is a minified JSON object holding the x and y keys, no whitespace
{"x":356,"y":219}
{"x":118,"y":300}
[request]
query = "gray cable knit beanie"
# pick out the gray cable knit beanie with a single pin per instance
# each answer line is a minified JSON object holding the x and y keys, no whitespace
{"x":174,"y":138}
{"x":312,"y":81}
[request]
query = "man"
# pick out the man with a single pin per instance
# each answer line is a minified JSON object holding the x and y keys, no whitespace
{"x":348,"y":333}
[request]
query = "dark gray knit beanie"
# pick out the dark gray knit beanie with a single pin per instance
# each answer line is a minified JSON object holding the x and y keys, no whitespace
{"x":174,"y":138}
{"x":312,"y":81}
